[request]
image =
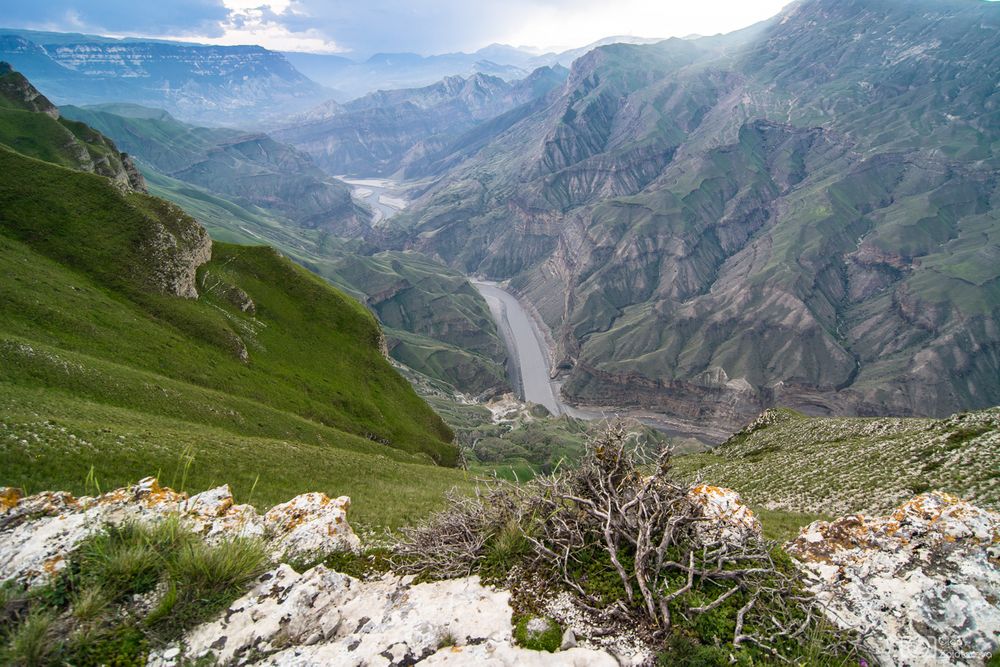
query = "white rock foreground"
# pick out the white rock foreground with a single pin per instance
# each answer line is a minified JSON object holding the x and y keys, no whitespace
{"x":922,"y":585}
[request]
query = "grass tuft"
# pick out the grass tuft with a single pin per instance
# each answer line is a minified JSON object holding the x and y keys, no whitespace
{"x":35,"y":642}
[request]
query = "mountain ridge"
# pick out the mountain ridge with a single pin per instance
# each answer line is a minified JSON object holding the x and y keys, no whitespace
{"x":678,"y":210}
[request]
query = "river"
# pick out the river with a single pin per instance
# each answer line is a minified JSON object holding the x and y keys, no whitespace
{"x":530,"y":372}
{"x":382,"y":195}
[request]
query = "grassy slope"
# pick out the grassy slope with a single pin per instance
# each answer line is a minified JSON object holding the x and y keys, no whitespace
{"x":85,"y":347}
{"x":833,"y":466}
{"x":438,"y":323}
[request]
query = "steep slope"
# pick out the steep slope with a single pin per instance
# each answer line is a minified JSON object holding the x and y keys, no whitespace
{"x":220,"y":84}
{"x":709,"y":227}
{"x":118,"y":315}
{"x":382,"y":132}
{"x":435,"y":321}
{"x":32,"y":125}
{"x":251,"y":169}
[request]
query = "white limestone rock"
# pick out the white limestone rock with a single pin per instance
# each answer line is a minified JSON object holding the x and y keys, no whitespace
{"x":321,"y":617}
{"x":923,"y":583}
{"x":728,"y":519}
{"x":493,"y":654}
{"x":38,"y":532}
{"x":312,"y":524}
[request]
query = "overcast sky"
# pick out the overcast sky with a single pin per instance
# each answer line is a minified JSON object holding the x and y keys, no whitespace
{"x":363,"y":27}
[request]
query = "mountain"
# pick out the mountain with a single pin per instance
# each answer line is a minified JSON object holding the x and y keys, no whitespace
{"x":235,"y":85}
{"x":381,"y":132}
{"x":802,"y":213}
{"x":351,"y":79}
{"x":252,"y":189}
{"x":252,"y":169}
{"x":131,"y":342}
{"x":30,"y":123}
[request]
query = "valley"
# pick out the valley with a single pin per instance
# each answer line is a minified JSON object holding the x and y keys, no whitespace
{"x":647,"y":352}
{"x":527,"y":351}
{"x":384,"y":197}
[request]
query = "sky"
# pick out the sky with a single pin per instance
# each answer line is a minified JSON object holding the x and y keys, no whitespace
{"x":362,"y":27}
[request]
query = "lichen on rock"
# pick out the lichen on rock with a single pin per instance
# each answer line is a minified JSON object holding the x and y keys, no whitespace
{"x":922,"y":585}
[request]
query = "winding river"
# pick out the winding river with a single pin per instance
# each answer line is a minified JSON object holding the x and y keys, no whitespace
{"x":529,"y":370}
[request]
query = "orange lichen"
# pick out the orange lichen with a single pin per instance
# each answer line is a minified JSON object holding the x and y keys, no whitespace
{"x":52,"y":565}
{"x":9,"y":497}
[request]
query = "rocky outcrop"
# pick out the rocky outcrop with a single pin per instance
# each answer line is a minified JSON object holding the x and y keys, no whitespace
{"x":322,"y":617}
{"x":38,"y":532}
{"x":14,"y":87}
{"x":175,"y":245}
{"x":66,"y":142}
{"x":921,"y":584}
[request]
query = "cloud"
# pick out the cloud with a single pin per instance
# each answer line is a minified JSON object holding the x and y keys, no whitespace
{"x":363,"y":27}
{"x":180,"y":17}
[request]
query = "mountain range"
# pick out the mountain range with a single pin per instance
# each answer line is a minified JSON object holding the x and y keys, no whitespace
{"x":351,"y":78}
{"x":801,"y":213}
{"x":382,"y":132}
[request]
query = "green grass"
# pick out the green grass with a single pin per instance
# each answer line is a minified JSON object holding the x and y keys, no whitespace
{"x":435,"y":320}
{"x":802,"y":468}
{"x":50,"y":440}
{"x":88,"y":615}
{"x":549,"y":640}
{"x":313,"y":351}
{"x":34,"y":642}
{"x":102,"y":373}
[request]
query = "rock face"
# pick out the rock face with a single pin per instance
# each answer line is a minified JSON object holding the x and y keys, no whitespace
{"x":322,"y":617}
{"x":175,"y":245}
{"x":38,"y":532}
{"x":923,"y":583}
{"x":221,"y":84}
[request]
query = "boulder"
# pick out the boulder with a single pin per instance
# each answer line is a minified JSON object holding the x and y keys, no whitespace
{"x":321,"y":617}
{"x":727,"y":518}
{"x":922,"y":585}
{"x":312,"y":524}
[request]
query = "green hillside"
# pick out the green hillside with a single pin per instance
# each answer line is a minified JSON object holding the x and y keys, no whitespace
{"x":105,"y":367}
{"x":435,"y":320}
{"x":787,"y":462}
